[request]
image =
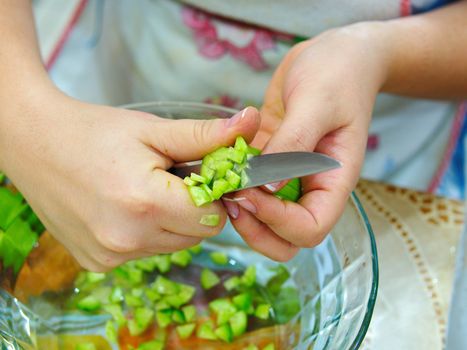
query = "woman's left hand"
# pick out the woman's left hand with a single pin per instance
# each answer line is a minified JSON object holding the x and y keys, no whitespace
{"x":320,"y":99}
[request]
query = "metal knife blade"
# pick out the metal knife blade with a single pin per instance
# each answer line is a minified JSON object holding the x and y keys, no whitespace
{"x":274,"y":167}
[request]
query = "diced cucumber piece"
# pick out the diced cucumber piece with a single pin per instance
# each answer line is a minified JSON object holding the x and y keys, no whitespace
{"x":208,"y":279}
{"x":236,"y":155}
{"x":178,"y":317}
{"x":186,"y":330}
{"x":263,"y":311}
{"x":134,"y":328}
{"x":165,"y":286}
{"x":111,"y":332}
{"x":144,"y":317}
{"x":162,"y":305}
{"x":152,"y":295}
{"x":133,"y":301}
{"x":241,"y":145}
{"x":270,"y":346}
{"x":232,"y":283}
{"x":89,"y":303}
{"x":162,"y":262}
{"x":292,"y":191}
{"x":207,"y":173}
{"x":189,"y":181}
{"x":219,"y":187}
{"x":117,"y":314}
{"x":208,"y":190}
{"x":164,"y":318}
{"x":196,"y":249}
{"x":152,"y":345}
{"x":243,"y":301}
{"x":223,"y":308}
{"x":189,"y":312}
{"x":221,"y":168}
{"x":146,"y":264}
{"x":219,"y":258}
{"x":210,"y":219}
{"x":224,"y":333}
{"x":221,"y":153}
{"x":233,"y":179}
{"x":249,"y":276}
{"x":135,"y":276}
{"x":254,"y":151}
{"x":85,"y":346}
{"x":238,"y":323}
{"x":206,"y":331}
{"x":94,"y":277}
{"x":199,"y":195}
{"x":181,"y":258}
{"x":198,"y":178}
{"x":137,"y":292}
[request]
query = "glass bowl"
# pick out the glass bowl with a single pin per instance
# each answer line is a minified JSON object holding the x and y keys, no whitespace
{"x":337,"y":280}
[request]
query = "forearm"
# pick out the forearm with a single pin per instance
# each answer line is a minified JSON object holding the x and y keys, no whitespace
{"x":23,"y":77}
{"x":428,"y":54}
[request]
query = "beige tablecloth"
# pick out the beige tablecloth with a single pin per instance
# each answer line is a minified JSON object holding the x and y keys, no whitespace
{"x":416,"y":236}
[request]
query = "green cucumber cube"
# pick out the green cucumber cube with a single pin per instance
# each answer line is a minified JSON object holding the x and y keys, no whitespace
{"x":270,"y":346}
{"x":198,"y":178}
{"x":162,"y":262}
{"x":208,"y":279}
{"x":206,"y":331}
{"x":236,"y":155}
{"x":243,"y":301}
{"x":186,"y":330}
{"x":249,"y":276}
{"x":263,"y":311}
{"x":89,"y":303}
{"x":241,"y":145}
{"x":178,"y":317}
{"x":117,"y":314}
{"x":238,"y":323}
{"x":189,"y":312}
{"x":111,"y":332}
{"x":224,"y":333}
{"x":165,"y":286}
{"x":219,"y":187}
{"x":116,"y":296}
{"x":233,"y":179}
{"x":196,"y":249}
{"x":210,"y":220}
{"x":189,"y":181}
{"x":152,"y":345}
{"x":199,"y":195}
{"x":219,"y":258}
{"x":232,"y":283}
{"x":181,"y":258}
{"x":164,"y":318}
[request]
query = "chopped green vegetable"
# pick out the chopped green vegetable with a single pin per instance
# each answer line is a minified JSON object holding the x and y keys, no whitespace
{"x":198,"y":178}
{"x":208,"y":279}
{"x":152,"y":295}
{"x":165,"y":286}
{"x":223,"y":308}
{"x":189,"y":312}
{"x":181,"y":258}
{"x":243,"y":301}
{"x":186,"y":330}
{"x":274,"y":284}
{"x":220,"y":187}
{"x":117,"y":314}
{"x":133,"y":301}
{"x":224,"y":333}
{"x":270,"y":346}
{"x":241,"y":145}
{"x":89,"y":303}
{"x":238,"y":323}
{"x":178,"y":317}
{"x":249,"y":276}
{"x":291,"y":192}
{"x":199,"y":195}
{"x":152,"y":345}
{"x":164,"y":318}
{"x":110,"y":331}
{"x":85,"y":346}
{"x":144,"y":317}
{"x":206,"y":331}
{"x":189,"y":181}
{"x":116,"y":296}
{"x":210,"y":220}
{"x":232,"y":283}
{"x":263,"y":311}
{"x":196,"y":249}
{"x":219,"y":258}
{"x":162,"y":262}
{"x":251,"y":347}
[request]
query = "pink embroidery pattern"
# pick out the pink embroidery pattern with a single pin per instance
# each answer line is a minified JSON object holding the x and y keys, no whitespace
{"x":206,"y":31}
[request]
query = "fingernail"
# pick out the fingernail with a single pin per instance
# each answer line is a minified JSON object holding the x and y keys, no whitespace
{"x":247,"y":205}
{"x":232,"y":208}
{"x":232,"y":121}
{"x":273,"y":186}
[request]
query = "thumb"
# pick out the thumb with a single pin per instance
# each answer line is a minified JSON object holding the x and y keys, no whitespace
{"x":187,"y":139}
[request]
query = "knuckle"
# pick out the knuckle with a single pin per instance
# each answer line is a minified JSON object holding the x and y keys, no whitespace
{"x":118,"y":242}
{"x":201,"y":131}
{"x":138,"y":204}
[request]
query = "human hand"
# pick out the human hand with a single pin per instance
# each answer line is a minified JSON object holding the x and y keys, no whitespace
{"x":96,"y":176}
{"x":320,"y":99}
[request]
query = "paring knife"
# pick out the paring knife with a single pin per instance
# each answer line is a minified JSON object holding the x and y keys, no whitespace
{"x":274,"y":167}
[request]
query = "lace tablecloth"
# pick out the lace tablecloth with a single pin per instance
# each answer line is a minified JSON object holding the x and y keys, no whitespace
{"x":417,"y":236}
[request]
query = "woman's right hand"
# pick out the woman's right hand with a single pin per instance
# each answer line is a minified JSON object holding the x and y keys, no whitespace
{"x":96,"y":176}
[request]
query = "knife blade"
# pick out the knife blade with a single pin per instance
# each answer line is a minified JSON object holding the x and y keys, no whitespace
{"x":274,"y":167}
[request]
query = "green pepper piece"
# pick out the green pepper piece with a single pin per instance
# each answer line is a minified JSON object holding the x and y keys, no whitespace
{"x":164,"y":318}
{"x":224,"y":333}
{"x":181,"y":258}
{"x":189,"y":312}
{"x":206,"y":331}
{"x":198,"y":178}
{"x":133,"y":301}
{"x":238,"y":323}
{"x":152,"y":295}
{"x":219,"y":258}
{"x":210,"y":220}
{"x":232,"y":283}
{"x":262,"y":311}
{"x":116,"y":296}
{"x":111,"y":332}
{"x":219,"y":187}
{"x":85,"y":346}
{"x":186,"y":330}
{"x":89,"y":303}
{"x":243,"y":301}
{"x":208,"y":279}
{"x":199,"y":195}
{"x":270,"y":346}
{"x":233,"y":179}
{"x":152,"y":345}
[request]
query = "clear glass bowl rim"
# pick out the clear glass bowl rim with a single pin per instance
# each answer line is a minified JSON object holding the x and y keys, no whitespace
{"x":374,"y":254}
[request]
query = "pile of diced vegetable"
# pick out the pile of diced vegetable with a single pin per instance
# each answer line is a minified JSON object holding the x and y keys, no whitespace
{"x":223,"y":171}
{"x":140,"y":296}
